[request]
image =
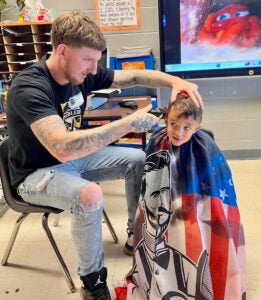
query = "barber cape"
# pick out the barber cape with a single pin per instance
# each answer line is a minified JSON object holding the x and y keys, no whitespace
{"x":188,"y":237}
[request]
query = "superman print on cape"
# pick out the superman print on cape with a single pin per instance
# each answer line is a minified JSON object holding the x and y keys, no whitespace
{"x":188,"y":237}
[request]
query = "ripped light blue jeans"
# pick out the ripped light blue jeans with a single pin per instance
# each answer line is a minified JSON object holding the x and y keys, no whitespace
{"x":63,"y":187}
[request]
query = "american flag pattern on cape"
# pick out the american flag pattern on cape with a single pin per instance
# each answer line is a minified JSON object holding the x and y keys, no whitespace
{"x":188,"y":236}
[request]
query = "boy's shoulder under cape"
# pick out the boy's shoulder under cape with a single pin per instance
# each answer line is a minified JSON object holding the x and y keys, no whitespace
{"x":203,"y":168}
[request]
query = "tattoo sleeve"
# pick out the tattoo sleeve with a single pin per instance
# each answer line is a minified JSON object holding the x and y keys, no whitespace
{"x":64,"y":145}
{"x":142,"y":125}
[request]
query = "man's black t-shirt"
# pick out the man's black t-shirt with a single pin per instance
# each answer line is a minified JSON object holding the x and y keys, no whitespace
{"x":34,"y":95}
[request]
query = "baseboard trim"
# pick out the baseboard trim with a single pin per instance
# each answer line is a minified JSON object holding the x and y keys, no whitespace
{"x":242,"y":154}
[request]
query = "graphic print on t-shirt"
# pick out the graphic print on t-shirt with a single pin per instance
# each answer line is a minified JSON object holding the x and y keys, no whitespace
{"x":72,"y":112}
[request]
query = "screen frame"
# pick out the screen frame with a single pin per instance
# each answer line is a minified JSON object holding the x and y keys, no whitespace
{"x":227,"y":72}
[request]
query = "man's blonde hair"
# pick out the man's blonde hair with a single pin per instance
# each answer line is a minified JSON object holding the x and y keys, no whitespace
{"x":76,"y":29}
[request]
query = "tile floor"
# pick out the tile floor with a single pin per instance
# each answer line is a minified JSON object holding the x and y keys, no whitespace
{"x":33,"y":273}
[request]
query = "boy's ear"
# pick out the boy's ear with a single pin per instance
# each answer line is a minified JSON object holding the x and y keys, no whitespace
{"x":166,"y":121}
{"x":199,"y":127}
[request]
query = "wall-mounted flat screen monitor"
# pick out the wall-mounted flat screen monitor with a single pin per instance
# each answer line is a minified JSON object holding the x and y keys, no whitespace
{"x":210,"y":38}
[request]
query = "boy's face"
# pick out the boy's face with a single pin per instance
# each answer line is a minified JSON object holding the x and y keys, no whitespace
{"x":180,"y":129}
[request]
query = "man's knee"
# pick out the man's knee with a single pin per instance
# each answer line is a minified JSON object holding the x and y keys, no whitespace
{"x":91,"y":197}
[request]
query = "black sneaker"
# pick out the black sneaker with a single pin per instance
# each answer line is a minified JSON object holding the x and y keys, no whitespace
{"x":99,"y":294}
{"x":95,"y":286}
{"x":128,"y":247}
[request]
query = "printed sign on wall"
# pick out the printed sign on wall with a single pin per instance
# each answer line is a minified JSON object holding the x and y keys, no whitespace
{"x":118,"y":15}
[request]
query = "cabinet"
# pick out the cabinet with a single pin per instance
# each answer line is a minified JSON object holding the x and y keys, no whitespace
{"x":21,"y":44}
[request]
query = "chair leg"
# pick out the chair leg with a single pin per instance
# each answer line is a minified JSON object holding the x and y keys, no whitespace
{"x":112,"y":231}
{"x":57,"y":253}
{"x":13,"y":238}
{"x":56,"y":220}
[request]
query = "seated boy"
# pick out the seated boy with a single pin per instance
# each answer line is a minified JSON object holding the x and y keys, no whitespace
{"x":188,"y":236}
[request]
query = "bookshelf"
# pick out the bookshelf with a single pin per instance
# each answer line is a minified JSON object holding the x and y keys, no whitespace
{"x":21,"y":44}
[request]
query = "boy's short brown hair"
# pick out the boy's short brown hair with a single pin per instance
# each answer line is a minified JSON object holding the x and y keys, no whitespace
{"x":185,"y":105}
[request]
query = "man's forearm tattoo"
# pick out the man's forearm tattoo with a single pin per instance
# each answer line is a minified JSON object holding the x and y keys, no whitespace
{"x":132,"y":78}
{"x":87,"y":143}
{"x":143,"y":125}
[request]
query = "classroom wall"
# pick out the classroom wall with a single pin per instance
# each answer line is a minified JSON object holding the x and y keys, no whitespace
{"x":232,"y":106}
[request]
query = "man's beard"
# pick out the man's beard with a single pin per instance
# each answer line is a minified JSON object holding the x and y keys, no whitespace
{"x":72,"y":79}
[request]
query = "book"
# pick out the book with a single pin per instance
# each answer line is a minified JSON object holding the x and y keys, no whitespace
{"x":106,"y":93}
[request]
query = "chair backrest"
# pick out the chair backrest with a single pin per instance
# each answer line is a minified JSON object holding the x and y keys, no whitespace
{"x":9,"y":193}
{"x":209,"y":132}
{"x":12,"y":199}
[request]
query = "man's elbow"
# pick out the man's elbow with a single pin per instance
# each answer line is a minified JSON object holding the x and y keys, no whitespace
{"x":63,"y":159}
{"x":65,"y":152}
{"x":61,"y":156}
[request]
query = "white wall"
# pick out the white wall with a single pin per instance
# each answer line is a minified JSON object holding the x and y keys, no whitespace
{"x":232,"y":106}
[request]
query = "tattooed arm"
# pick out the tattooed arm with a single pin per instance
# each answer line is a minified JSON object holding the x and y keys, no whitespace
{"x":68,"y":145}
{"x":152,"y":79}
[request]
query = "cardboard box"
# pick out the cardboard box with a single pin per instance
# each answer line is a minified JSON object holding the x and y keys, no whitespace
{"x":135,"y":63}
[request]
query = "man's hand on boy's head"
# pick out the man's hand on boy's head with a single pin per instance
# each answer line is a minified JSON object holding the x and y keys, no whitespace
{"x":190,"y":88}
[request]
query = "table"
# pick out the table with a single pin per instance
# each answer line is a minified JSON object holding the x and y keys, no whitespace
{"x":112,"y":111}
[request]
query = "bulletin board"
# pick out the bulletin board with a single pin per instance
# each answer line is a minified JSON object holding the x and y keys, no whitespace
{"x":118,"y":15}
